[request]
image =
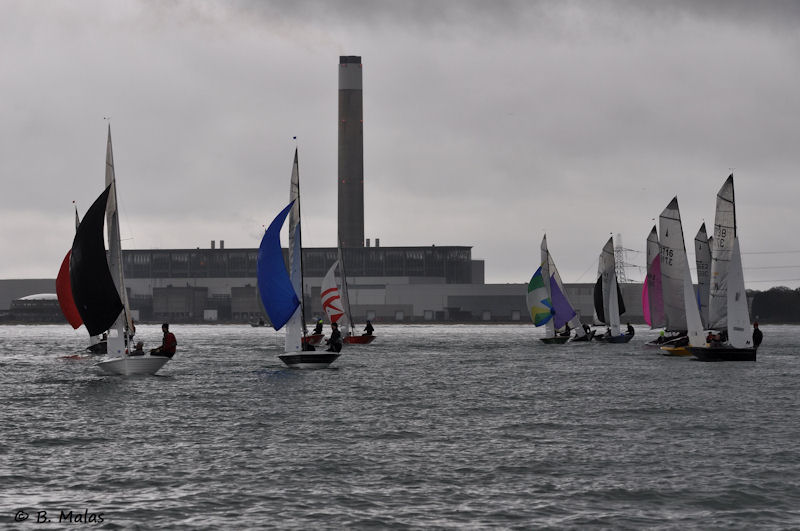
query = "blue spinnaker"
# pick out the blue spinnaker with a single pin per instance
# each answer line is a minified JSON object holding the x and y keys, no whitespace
{"x":563,"y":310}
{"x":277,"y":294}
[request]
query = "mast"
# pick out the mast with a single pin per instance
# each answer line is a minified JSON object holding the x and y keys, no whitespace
{"x":122,"y":324}
{"x":296,"y":182}
{"x":345,"y":292}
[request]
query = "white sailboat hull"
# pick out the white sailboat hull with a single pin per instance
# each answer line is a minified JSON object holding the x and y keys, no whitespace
{"x":132,"y":365}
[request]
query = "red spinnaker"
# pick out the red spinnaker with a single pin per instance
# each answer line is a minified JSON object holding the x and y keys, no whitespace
{"x":64,"y":293}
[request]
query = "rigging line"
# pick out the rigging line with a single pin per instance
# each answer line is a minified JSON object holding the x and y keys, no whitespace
{"x":771,"y":252}
{"x":587,"y":270}
{"x":773,"y":280}
{"x":772,"y":267}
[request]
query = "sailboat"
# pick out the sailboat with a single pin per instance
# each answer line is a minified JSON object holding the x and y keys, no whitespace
{"x":652,"y":291}
{"x":548,"y":303}
{"x":608,"y":303}
{"x":674,"y":267}
{"x":348,"y":332}
{"x":98,"y":284}
{"x":281,"y":290}
{"x":728,"y":300}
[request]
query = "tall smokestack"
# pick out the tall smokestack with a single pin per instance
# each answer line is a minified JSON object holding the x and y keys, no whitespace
{"x":351,"y":153}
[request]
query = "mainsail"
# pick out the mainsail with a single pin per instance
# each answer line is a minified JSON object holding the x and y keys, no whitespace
{"x":295,"y":327}
{"x":702,"y":252}
{"x":330,"y":296}
{"x":123,"y":323}
{"x":673,"y":257}
{"x":606,"y":285}
{"x":738,"y":314}
{"x":721,"y":250}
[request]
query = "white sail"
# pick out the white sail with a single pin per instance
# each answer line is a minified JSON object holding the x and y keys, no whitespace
{"x":347,"y":321}
{"x":655,"y":290}
{"x":738,"y":314}
{"x":721,"y":249}
{"x":116,"y":337}
{"x":333,"y":303}
{"x":673,"y":257}
{"x":702,"y":252}
{"x":607,"y":275}
{"x":694,"y":324}
{"x":294,"y":327}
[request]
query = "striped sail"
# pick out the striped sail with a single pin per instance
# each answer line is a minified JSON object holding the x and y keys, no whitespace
{"x":330,"y":297}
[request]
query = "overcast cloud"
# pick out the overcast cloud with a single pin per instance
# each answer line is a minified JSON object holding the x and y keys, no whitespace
{"x":486,"y":124}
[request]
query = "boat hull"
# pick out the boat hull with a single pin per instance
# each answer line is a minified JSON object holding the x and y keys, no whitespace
{"x":313,"y":339}
{"x":675,"y":351}
{"x":558,"y":340}
{"x":359,"y":340}
{"x":624,"y":338}
{"x":98,"y":348}
{"x":132,"y":365}
{"x":586,"y":337}
{"x":308,"y":360}
{"x":723,"y":353}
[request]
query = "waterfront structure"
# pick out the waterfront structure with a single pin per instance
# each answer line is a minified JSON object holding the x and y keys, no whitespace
{"x":351,"y":153}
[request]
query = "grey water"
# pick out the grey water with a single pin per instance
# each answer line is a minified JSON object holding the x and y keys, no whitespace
{"x":429,"y":427}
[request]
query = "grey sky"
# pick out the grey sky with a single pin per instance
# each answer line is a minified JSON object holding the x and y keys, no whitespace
{"x":486,"y":124}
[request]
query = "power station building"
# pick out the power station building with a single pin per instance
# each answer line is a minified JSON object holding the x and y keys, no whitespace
{"x":387,"y":284}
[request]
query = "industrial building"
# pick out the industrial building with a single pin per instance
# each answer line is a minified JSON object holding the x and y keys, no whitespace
{"x":386,"y":284}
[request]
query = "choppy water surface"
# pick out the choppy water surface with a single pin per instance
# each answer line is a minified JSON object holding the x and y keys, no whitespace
{"x":428,"y":427}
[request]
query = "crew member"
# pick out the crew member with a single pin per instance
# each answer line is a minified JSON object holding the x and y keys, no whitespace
{"x":168,"y":343}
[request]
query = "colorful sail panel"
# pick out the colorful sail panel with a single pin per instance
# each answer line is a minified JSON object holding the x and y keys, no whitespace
{"x":539,"y":305}
{"x":562,"y":309}
{"x":93,"y":288}
{"x":329,"y":295}
{"x":64,"y":294}
{"x":274,"y":284}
